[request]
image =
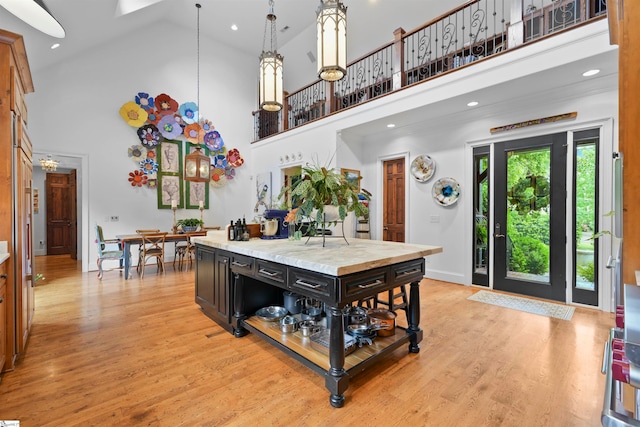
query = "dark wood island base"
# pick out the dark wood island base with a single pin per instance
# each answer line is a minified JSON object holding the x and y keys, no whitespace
{"x":250,"y":282}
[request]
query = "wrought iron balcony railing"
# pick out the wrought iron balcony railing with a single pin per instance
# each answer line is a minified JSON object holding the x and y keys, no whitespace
{"x":472,"y":32}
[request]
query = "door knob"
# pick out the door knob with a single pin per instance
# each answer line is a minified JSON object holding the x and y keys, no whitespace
{"x":385,"y":228}
{"x":3,"y":276}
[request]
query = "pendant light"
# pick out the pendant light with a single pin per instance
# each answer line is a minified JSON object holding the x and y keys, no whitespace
{"x":270,"y":68}
{"x":197,"y":165}
{"x":49,"y":164}
{"x":332,"y":40}
{"x":36,"y":14}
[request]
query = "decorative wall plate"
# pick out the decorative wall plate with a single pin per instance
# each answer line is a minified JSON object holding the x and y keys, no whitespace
{"x":446,"y":191}
{"x":422,"y":168}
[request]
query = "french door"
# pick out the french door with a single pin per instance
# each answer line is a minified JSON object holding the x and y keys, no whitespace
{"x":530,"y":223}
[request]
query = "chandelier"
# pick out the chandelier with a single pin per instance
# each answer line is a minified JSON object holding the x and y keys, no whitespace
{"x":332,"y":40}
{"x":270,"y":68}
{"x":197,"y":165}
{"x":48,"y":164}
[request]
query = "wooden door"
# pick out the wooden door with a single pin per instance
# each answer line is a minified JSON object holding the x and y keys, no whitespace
{"x":73,"y":215}
{"x":393,"y":200}
{"x":59,"y":216}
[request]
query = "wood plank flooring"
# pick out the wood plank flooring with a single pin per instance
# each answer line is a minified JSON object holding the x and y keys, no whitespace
{"x":140,"y":352}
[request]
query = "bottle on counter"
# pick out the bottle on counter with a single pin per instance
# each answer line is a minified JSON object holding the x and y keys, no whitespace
{"x":232,"y":229}
{"x":238,"y":230}
{"x":245,"y":230}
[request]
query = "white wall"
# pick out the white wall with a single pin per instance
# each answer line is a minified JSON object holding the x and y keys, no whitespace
{"x":75,"y":110}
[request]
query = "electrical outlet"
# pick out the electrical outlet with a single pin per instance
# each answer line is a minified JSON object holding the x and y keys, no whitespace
{"x":115,"y":218}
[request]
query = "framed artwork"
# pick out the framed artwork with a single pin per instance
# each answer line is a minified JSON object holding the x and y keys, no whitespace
{"x":36,"y":200}
{"x":263,"y":191}
{"x":196,"y":191}
{"x":169,"y":154}
{"x":353,"y":176}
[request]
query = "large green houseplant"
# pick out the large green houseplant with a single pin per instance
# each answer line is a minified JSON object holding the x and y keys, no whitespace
{"x":320,"y":187}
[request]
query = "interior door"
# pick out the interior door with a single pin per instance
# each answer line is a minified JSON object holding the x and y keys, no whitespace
{"x":58,"y":214}
{"x":530,"y":225}
{"x":393,"y":200}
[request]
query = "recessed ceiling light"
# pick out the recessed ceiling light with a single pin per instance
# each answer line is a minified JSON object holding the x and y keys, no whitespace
{"x":472,"y":104}
{"x":590,"y":73}
{"x":391,"y":125}
{"x":234,"y":27}
{"x":55,"y":45}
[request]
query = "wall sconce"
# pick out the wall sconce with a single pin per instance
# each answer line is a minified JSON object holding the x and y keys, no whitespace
{"x":332,"y":40}
{"x":271,"y":66}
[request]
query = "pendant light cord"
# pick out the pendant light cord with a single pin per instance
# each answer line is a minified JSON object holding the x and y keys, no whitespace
{"x":198,"y":63}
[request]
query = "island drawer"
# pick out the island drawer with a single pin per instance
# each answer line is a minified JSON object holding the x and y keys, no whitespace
{"x":271,"y":272}
{"x":312,"y":284}
{"x":410,"y":271}
{"x":242,"y":264}
{"x":365,"y":284}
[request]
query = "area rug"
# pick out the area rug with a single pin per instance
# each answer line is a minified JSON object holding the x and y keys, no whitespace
{"x":542,"y":308}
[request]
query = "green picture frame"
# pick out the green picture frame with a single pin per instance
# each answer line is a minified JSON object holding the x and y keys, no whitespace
{"x":169,"y":158}
{"x":196,"y":191}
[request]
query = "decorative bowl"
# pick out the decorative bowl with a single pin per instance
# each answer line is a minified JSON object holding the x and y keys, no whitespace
{"x":273,"y":313}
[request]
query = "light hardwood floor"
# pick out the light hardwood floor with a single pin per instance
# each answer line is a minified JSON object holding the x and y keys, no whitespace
{"x":140,"y":352}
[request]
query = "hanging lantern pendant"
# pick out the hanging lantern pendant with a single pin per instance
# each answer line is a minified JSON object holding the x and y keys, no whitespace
{"x":271,"y":66}
{"x":332,"y":40}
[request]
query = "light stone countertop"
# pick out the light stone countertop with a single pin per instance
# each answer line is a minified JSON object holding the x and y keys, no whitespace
{"x":337,"y":258}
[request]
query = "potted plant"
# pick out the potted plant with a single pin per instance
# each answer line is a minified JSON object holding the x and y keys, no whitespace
{"x":321,"y":187}
{"x":189,"y":224}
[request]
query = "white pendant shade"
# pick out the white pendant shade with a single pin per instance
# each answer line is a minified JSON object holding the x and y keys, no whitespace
{"x":36,"y":14}
{"x":271,"y":65}
{"x":271,"y":81}
{"x":332,"y":40}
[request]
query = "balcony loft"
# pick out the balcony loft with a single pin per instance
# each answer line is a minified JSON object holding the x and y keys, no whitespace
{"x":473,"y":33}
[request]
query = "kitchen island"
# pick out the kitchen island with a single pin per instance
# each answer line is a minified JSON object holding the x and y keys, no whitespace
{"x":235,"y":279}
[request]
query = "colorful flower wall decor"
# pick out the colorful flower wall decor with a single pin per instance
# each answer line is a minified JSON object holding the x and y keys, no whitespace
{"x":162,"y":120}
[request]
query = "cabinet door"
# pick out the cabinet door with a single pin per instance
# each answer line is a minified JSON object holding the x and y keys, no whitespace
{"x":222,"y":286}
{"x":24,"y":250}
{"x":3,"y":325}
{"x":205,"y":279}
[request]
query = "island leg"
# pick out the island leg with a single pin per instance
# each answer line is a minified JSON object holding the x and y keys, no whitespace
{"x":336,"y":379}
{"x":414,"y":317}
{"x":238,"y":306}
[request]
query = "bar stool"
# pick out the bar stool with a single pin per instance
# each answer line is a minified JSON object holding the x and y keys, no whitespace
{"x":392,"y":303}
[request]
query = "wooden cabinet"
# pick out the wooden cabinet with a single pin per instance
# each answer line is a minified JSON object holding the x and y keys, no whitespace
{"x":15,"y":195}
{"x":3,"y":313}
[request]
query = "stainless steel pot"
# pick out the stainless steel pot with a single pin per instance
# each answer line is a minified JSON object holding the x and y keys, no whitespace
{"x":308,"y":327}
{"x":289,"y":324}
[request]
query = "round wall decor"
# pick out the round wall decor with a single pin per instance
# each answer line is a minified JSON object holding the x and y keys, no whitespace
{"x":446,"y":191}
{"x":422,"y":168}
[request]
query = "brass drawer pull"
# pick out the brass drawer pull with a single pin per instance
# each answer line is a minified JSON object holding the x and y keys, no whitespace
{"x":307,"y":284}
{"x":269,"y":273}
{"x":372,"y":284}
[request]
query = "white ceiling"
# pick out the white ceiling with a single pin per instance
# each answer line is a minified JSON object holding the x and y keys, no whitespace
{"x":89,"y":23}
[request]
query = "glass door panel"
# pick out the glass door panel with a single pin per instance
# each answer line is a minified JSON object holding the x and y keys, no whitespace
{"x":481,"y":216}
{"x":529,"y":229}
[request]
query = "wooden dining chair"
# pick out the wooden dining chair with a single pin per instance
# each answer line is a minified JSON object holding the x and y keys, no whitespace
{"x":152,"y":247}
{"x":187,"y":252}
{"x":143,"y":231}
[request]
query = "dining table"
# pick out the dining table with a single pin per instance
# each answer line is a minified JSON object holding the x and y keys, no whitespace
{"x":126,"y":240}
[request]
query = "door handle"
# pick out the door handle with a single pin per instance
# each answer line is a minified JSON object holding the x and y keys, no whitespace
{"x":499,"y":236}
{"x":385,"y":228}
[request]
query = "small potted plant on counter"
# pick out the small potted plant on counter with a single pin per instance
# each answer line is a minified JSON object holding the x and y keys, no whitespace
{"x":189,"y":225}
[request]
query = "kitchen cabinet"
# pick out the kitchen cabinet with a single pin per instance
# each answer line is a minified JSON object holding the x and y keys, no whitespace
{"x":3,"y":313}
{"x":338,"y":275}
{"x":15,"y":194}
{"x":213,"y":284}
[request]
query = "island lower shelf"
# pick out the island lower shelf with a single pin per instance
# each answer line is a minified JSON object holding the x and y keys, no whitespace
{"x":300,"y":347}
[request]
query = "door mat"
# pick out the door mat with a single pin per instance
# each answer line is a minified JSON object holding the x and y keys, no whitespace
{"x":542,"y":308}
